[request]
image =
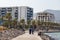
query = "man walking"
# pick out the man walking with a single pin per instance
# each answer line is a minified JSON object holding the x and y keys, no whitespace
{"x":31,"y":30}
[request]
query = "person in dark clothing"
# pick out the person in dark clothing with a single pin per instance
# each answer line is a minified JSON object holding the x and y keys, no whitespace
{"x":31,"y":30}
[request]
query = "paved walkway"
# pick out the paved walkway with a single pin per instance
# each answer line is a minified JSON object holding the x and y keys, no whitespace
{"x":27,"y":36}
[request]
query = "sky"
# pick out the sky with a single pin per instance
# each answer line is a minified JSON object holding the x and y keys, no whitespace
{"x":37,"y":5}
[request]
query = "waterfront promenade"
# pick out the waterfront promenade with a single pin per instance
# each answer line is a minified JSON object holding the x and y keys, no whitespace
{"x":27,"y":36}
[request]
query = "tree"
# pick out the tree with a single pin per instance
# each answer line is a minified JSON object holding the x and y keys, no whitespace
{"x":14,"y":23}
{"x":28,"y":22}
{"x":8,"y":18}
{"x":22,"y":21}
{"x":22,"y":24}
{"x":33,"y":22}
{"x":5,"y":23}
{"x":39,"y":24}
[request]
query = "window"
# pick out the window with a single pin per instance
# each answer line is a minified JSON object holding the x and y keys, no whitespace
{"x":9,"y":9}
{"x":28,"y":15}
{"x":3,"y":11}
{"x":28,"y":18}
{"x":16,"y":15}
{"x":3,"y":8}
{"x":3,"y":14}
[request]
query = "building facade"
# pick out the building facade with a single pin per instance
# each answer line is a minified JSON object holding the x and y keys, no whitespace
{"x":26,"y":13}
{"x":45,"y":17}
{"x":22,"y":12}
{"x":12,"y":10}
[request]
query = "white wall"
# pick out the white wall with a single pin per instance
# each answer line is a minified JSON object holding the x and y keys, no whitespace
{"x":18,"y":13}
{"x":22,"y":13}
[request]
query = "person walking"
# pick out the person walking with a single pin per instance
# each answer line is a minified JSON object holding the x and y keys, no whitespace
{"x":31,"y":30}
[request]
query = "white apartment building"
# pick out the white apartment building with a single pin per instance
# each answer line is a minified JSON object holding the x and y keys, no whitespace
{"x":25,"y":13}
{"x":22,"y":12}
{"x":12,"y":10}
{"x":45,"y":17}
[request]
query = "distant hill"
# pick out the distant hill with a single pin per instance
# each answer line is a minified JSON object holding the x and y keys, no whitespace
{"x":55,"y":12}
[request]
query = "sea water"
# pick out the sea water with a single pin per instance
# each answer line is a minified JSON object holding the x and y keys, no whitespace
{"x":56,"y":35}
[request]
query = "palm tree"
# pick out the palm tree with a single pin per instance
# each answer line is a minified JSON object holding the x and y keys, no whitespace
{"x":34,"y":24}
{"x":47,"y":24}
{"x":28,"y":24}
{"x":8,"y":18}
{"x":5,"y":23}
{"x":39,"y":24}
{"x":14,"y":23}
{"x":22,"y":23}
